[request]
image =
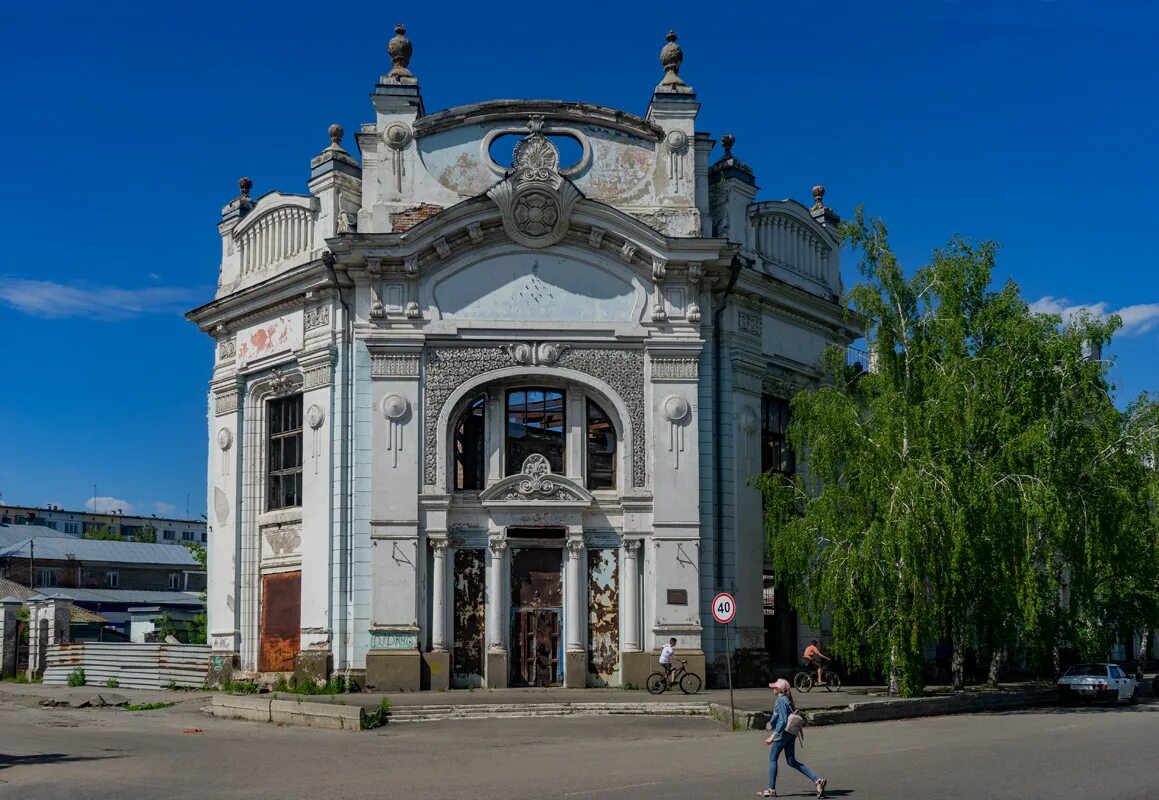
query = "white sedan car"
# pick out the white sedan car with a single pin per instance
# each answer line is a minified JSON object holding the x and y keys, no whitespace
{"x":1092,"y":682}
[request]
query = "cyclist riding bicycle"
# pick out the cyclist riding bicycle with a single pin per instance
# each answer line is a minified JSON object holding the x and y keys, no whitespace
{"x":814,"y":657}
{"x":666,"y":664}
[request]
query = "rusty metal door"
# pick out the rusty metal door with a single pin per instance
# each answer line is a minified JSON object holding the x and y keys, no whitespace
{"x":536,"y":615}
{"x":281,"y":621}
{"x":603,"y":617}
{"x":536,"y":648}
{"x":469,"y":618}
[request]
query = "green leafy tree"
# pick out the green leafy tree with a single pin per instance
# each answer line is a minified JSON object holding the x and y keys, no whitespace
{"x":972,"y":486}
{"x":103,"y":533}
{"x":198,"y":632}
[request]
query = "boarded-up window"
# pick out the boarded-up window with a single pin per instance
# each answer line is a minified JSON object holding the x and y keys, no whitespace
{"x":281,"y":621}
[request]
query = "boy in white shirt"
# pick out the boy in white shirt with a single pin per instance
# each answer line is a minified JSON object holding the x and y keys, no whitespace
{"x":666,"y":659}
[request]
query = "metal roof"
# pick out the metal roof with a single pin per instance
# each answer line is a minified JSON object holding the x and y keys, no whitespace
{"x":16,"y":534}
{"x":112,"y":552}
{"x":125,"y":596}
{"x":21,"y":592}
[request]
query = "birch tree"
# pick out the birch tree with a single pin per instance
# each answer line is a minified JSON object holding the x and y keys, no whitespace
{"x":971,"y":484}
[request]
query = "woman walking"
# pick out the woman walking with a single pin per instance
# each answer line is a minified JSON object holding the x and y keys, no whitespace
{"x":782,"y":740}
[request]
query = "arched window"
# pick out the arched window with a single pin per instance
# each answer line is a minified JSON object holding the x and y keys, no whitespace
{"x":470,"y":453}
{"x":601,"y":449}
{"x":535,"y":424}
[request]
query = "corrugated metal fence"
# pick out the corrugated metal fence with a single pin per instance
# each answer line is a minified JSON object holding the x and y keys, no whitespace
{"x":132,"y":665}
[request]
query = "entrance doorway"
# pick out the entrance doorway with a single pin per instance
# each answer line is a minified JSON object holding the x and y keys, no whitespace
{"x":780,"y":628}
{"x":281,"y":623}
{"x":536,"y":616}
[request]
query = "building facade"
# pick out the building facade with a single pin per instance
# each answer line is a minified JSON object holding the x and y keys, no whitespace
{"x":78,"y":523}
{"x":488,"y":419}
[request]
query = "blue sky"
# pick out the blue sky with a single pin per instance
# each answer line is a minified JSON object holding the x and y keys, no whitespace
{"x":1029,"y":122}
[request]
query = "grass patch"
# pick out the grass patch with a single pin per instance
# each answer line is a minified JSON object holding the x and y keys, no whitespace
{"x":239,"y":687}
{"x":77,"y":677}
{"x":148,"y":706}
{"x":336,"y":685}
{"x":378,"y":717}
{"x":21,"y":678}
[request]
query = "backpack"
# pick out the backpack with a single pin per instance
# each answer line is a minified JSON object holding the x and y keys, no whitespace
{"x":795,"y":725}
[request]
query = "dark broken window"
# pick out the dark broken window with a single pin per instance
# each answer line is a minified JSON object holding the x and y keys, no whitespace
{"x":535,"y":424}
{"x":470,"y":453}
{"x":775,"y":452}
{"x":601,"y":449}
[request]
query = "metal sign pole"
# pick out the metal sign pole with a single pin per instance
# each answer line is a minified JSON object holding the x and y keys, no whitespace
{"x":728,"y":664}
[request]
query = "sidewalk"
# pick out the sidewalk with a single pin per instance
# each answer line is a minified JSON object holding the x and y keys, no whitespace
{"x":852,"y":704}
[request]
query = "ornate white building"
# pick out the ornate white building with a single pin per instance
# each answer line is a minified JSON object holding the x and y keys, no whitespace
{"x":474,"y":422}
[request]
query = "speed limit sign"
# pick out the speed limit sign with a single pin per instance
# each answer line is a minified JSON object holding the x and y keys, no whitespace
{"x":723,"y":608}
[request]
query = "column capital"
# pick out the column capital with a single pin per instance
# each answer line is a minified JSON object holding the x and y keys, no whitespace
{"x":632,"y":547}
{"x":576,"y":546}
{"x":439,"y":546}
{"x":497,"y":545}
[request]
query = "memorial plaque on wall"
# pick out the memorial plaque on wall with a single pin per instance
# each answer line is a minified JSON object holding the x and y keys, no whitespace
{"x":677,"y":597}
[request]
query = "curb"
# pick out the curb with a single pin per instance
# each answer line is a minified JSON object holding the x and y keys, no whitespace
{"x":287,"y":712}
{"x":906,"y":708}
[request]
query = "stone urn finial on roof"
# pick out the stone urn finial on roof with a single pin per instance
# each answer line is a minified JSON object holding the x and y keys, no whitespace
{"x":671,"y":56}
{"x":336,"y":133}
{"x":818,"y":197}
{"x":245,"y":184}
{"x":400,"y":51}
{"x":727,"y":141}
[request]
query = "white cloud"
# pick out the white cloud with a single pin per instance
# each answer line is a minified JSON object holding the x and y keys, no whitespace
{"x":56,"y":300}
{"x":1137,"y":319}
{"x":108,"y":505}
{"x":164,"y":509}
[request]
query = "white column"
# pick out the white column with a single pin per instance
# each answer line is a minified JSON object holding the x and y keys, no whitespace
{"x":574,"y":606}
{"x":495,"y":583}
{"x":439,"y":596}
{"x":630,"y":592}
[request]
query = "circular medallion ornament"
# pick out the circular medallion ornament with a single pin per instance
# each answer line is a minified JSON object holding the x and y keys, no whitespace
{"x":315,"y":416}
{"x":225,"y":438}
{"x":397,"y":135}
{"x":394,"y":406}
{"x":675,"y":408}
{"x":536,"y":214}
{"x":676,"y":141}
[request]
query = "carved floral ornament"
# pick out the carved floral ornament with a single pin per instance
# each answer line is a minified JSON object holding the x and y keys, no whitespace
{"x":535,"y":200}
{"x":450,"y":367}
{"x":535,"y":483}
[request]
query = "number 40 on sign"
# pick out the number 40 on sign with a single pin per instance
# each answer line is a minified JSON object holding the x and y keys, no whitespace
{"x":723,"y":608}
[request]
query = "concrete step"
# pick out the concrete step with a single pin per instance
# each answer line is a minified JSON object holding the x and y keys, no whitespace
{"x":431,"y":713}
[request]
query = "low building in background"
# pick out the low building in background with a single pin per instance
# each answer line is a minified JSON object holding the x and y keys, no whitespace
{"x":80,"y":523}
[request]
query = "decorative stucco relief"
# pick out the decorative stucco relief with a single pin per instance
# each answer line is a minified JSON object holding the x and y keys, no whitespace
{"x":318,"y":317}
{"x":675,"y":368}
{"x":448,"y":368}
{"x":225,"y":402}
{"x":394,"y":365}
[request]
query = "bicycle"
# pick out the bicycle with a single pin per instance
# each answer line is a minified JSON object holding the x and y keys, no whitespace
{"x":806,"y":679}
{"x":689,"y":682}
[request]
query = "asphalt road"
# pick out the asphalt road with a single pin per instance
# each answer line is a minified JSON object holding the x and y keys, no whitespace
{"x":110,"y":753}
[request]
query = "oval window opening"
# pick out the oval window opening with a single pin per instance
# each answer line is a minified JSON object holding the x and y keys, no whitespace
{"x":571,"y":152}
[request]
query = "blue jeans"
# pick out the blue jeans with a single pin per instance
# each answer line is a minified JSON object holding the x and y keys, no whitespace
{"x":788,"y":743}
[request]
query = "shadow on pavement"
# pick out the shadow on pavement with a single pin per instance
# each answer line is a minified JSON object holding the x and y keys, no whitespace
{"x":7,"y":761}
{"x":1145,"y":705}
